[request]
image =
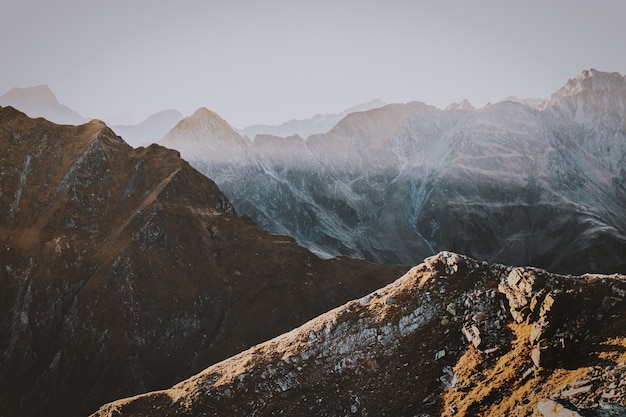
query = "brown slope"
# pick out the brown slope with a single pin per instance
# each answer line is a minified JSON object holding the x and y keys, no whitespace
{"x":125,"y":270}
{"x":453,"y":337}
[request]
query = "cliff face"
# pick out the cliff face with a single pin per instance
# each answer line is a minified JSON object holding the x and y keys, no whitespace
{"x":125,"y":270}
{"x":452,"y":337}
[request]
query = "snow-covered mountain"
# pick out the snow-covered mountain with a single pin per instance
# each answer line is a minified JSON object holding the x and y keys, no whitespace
{"x":40,"y":101}
{"x":320,"y":123}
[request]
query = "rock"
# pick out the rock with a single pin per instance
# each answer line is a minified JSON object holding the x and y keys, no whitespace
{"x":473,"y":335}
{"x":556,"y":408}
{"x":575,"y":391}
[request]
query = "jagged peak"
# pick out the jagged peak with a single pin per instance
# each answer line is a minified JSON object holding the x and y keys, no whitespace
{"x":462,"y":105}
{"x":590,"y":79}
{"x":204,"y":112}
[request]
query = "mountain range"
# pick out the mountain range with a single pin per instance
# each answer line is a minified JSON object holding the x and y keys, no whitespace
{"x":320,"y":123}
{"x":126,"y":270}
{"x":514,"y":182}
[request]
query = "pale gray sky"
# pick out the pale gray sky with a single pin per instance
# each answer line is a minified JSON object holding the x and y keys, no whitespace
{"x":268,"y":61}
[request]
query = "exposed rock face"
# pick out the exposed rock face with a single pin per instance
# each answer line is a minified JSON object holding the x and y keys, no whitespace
{"x":509,"y":183}
{"x":125,"y":270}
{"x":403,"y":350}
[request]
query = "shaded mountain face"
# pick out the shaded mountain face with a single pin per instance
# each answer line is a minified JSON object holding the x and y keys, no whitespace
{"x":452,"y":337}
{"x":125,"y":270}
{"x":509,"y":183}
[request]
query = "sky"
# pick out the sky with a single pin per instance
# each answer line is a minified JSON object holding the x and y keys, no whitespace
{"x":269,"y":61}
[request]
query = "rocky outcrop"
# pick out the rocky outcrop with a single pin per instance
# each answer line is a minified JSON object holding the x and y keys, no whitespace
{"x":126,"y":270}
{"x":510,"y":183}
{"x":452,"y":337}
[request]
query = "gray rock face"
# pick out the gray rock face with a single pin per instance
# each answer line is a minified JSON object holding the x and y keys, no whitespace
{"x":510,"y":183}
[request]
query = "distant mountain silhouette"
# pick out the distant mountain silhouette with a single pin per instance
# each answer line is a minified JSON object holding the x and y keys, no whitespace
{"x":40,"y":101}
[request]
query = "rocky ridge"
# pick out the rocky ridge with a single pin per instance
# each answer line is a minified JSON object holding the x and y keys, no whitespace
{"x":511,"y":182}
{"x":126,"y":270}
{"x":452,"y":337}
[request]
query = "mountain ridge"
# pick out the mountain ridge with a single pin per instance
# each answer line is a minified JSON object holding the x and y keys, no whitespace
{"x":402,"y":182}
{"x":320,"y":123}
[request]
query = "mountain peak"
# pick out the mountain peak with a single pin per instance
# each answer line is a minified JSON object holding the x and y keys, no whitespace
{"x":205,"y":132}
{"x":40,"y":101}
{"x":41,"y":94}
{"x":463,"y":105}
{"x":205,"y":123}
{"x":590,"y":79}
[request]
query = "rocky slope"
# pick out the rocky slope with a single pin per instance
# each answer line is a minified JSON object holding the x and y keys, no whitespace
{"x":509,"y":183}
{"x":126,"y":270}
{"x":452,"y":337}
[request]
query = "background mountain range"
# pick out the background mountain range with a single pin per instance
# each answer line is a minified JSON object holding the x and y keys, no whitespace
{"x":513,"y":182}
{"x":125,"y":270}
{"x":522,"y":181}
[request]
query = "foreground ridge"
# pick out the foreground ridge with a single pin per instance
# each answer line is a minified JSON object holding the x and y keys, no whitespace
{"x":454,"y":336}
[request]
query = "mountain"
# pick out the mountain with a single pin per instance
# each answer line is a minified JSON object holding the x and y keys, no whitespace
{"x":206,"y":132}
{"x":40,"y":101}
{"x":507,"y":183}
{"x":320,"y":123}
{"x":126,"y":270}
{"x":452,"y":337}
{"x":150,"y":130}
